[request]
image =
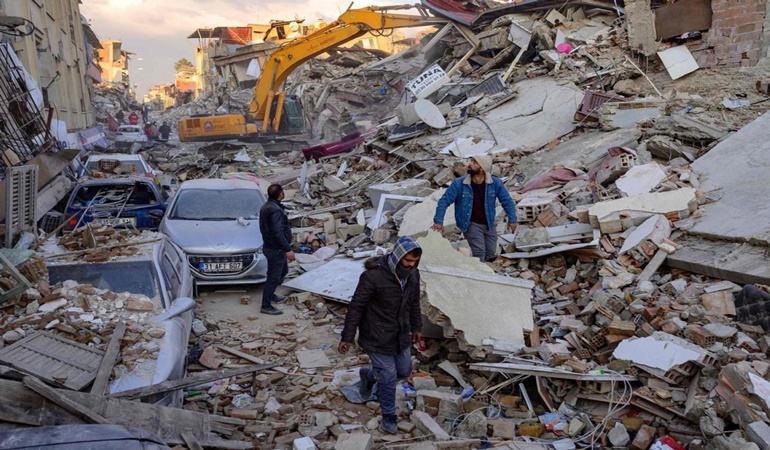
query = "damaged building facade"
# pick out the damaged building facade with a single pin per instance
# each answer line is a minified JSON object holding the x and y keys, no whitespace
{"x":58,"y":54}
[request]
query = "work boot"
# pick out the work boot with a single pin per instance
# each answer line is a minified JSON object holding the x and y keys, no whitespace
{"x":272,"y":310}
{"x":277,"y":298}
{"x":365,"y":389}
{"x":389,"y":424}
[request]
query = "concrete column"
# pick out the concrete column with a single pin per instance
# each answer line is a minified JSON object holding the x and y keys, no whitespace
{"x":641,"y":27}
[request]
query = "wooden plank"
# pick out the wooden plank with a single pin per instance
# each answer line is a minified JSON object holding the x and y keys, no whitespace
{"x":241,"y":354}
{"x":66,"y":403}
{"x":192,"y":380}
{"x":190,"y":441}
{"x":108,"y":361}
{"x":683,"y":16}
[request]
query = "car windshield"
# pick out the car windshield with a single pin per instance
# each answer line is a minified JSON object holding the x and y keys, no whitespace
{"x":136,"y":277}
{"x":217,"y":204}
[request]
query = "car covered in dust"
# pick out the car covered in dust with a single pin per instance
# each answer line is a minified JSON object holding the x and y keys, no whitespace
{"x":120,"y":202}
{"x":216,"y":223}
{"x":148,"y":286}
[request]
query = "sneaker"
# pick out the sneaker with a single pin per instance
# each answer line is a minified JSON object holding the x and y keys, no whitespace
{"x":272,"y":310}
{"x":277,"y":298}
{"x":365,"y":389}
{"x":389,"y":424}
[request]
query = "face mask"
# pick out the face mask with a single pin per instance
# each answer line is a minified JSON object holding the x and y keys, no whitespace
{"x":403,"y":272}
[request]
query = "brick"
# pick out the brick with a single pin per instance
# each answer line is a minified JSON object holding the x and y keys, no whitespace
{"x":291,"y":396}
{"x":622,"y":327}
{"x":644,"y":438}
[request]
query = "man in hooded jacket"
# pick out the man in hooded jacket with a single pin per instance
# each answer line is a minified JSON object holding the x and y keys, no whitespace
{"x":385,"y":310}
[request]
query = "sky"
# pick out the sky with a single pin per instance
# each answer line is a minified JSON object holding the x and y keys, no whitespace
{"x":156,"y":30}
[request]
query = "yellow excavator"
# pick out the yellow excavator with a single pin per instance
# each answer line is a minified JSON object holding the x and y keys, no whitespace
{"x":273,"y":114}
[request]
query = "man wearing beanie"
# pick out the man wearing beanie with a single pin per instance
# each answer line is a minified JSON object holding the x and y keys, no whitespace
{"x":385,"y":310}
{"x":474,"y":197}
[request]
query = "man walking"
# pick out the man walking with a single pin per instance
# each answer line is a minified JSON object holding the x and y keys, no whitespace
{"x":165,"y":131}
{"x":276,"y":235}
{"x":385,"y":310}
{"x":474,"y":198}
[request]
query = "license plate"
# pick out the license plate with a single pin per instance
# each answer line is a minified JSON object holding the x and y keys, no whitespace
{"x":117,"y":222}
{"x":221,"y":267}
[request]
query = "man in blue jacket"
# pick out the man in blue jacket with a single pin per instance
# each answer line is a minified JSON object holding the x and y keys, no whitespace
{"x":474,"y":197}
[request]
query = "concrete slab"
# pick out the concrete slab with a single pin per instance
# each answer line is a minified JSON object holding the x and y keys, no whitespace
{"x":738,"y":165}
{"x":478,"y":304}
{"x":613,"y":216}
{"x":542,"y":111}
{"x":336,"y":279}
{"x":419,"y":217}
{"x":587,"y":150}
{"x":738,"y":262}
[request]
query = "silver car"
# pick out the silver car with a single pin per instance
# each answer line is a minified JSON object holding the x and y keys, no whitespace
{"x":216,"y":223}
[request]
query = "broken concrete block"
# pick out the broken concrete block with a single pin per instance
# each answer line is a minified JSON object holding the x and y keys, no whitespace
{"x":354,"y":441}
{"x":334,"y":184}
{"x":720,"y":303}
{"x":429,"y":427}
{"x":304,"y":443}
{"x":380,"y":236}
{"x":618,"y":435}
{"x":759,"y":433}
{"x":614,"y":216}
{"x":210,"y":358}
{"x":53,"y":306}
{"x":640,"y":179}
{"x":419,"y":217}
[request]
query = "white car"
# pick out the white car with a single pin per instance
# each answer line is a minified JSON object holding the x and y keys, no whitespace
{"x":130,"y":134}
{"x":117,"y":163}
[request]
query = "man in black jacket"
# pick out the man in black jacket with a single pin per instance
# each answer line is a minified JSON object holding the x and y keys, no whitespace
{"x":276,"y":235}
{"x":385,"y":310}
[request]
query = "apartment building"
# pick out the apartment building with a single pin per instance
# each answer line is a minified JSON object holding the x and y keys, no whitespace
{"x":58,"y":55}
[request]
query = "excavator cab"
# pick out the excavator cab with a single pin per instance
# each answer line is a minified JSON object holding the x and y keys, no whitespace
{"x":292,"y":120}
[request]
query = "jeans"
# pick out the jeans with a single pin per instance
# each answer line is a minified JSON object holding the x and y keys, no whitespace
{"x":482,"y":240}
{"x":277,"y":268}
{"x":386,"y":370}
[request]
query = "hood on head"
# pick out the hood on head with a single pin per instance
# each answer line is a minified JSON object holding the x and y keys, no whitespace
{"x":403,"y":246}
{"x":485,"y":161}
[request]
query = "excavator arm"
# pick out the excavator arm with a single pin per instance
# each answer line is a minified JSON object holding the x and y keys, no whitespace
{"x":350,"y":25}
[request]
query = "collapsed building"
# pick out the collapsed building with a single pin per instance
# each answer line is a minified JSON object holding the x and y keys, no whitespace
{"x":628,"y":309}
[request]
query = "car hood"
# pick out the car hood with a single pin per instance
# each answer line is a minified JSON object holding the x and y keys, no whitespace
{"x":211,"y":237}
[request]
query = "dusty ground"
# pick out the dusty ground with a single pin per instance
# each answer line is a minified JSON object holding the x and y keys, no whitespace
{"x":223,"y":305}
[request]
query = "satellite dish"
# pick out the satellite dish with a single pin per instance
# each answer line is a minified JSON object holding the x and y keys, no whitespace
{"x":294,"y":26}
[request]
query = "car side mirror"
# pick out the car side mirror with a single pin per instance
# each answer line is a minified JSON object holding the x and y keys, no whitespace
{"x":178,"y":307}
{"x":157,"y":213}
